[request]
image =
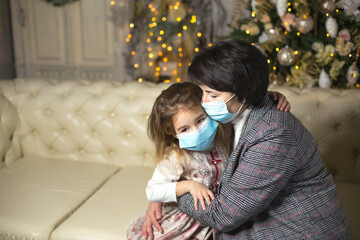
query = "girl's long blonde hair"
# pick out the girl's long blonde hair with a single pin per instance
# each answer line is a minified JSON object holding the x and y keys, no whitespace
{"x":160,"y":127}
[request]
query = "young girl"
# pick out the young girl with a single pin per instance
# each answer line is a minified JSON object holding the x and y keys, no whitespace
{"x":190,"y":152}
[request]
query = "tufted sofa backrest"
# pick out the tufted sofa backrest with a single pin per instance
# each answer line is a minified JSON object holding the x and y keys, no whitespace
{"x":105,"y":121}
{"x":102,"y":121}
{"x":333,"y":119}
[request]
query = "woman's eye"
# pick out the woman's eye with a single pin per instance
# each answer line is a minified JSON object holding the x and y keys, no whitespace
{"x":213,"y":96}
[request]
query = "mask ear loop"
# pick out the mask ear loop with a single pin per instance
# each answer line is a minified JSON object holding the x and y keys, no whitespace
{"x":231,"y":98}
{"x":241,"y":104}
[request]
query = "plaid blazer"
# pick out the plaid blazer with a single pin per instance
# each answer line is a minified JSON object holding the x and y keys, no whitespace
{"x":275,"y":185}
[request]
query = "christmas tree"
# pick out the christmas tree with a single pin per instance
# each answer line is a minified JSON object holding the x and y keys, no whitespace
{"x":164,"y":36}
{"x":307,"y":43}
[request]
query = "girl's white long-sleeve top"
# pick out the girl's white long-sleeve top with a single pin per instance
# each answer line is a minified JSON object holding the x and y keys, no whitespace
{"x":162,"y":185}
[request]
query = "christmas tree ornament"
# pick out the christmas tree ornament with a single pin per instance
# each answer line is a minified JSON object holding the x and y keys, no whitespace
{"x":263,"y":37}
{"x":281,"y":7}
{"x":352,"y":75}
{"x":254,"y":4}
{"x":286,"y":56}
{"x":324,"y":34}
{"x":304,"y":23}
{"x":268,"y":35}
{"x":324,"y":80}
{"x":271,"y":33}
{"x":276,"y":79}
{"x":345,"y":34}
{"x":328,"y":6}
{"x":331,"y":27}
{"x":288,"y":21}
{"x":350,"y":8}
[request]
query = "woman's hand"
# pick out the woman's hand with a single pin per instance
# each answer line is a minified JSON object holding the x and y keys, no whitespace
{"x":153,"y":214}
{"x":197,"y":190}
{"x":283,"y":103}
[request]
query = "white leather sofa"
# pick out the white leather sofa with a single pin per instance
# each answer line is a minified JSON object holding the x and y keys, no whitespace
{"x":75,"y":157}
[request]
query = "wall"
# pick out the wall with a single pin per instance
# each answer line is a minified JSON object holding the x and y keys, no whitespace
{"x":7,"y":70}
{"x":77,"y":40}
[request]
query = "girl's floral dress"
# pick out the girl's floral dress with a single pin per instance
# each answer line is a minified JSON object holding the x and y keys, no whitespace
{"x":203,"y":167}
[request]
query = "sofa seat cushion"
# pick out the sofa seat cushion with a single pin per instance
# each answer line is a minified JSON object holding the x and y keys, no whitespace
{"x":349,"y":195}
{"x":37,"y":194}
{"x":107,"y":214}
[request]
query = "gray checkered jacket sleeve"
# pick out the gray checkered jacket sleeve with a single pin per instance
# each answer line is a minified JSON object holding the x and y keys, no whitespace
{"x":275,"y":185}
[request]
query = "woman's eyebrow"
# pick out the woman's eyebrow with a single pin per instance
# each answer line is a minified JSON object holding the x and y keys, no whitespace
{"x":209,"y":91}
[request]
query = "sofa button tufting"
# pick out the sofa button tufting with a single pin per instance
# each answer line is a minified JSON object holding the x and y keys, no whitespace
{"x":81,"y":151}
{"x":111,"y":152}
{"x":64,"y":131}
{"x":34,"y":94}
{"x":337,"y":127}
{"x":52,"y":150}
{"x":95,"y":133}
{"x":98,"y":94}
{"x":112,"y":114}
{"x":128,"y":134}
{"x":79,"y":112}
{"x":320,"y":105}
{"x":356,"y":152}
{"x":34,"y":132}
{"x":48,"y":111}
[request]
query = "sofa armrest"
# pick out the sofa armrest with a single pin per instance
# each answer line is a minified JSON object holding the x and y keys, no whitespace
{"x":10,"y":149}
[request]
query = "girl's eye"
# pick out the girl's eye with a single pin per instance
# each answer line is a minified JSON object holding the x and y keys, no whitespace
{"x":201,"y":120}
{"x":184,"y":130}
{"x":213,"y":96}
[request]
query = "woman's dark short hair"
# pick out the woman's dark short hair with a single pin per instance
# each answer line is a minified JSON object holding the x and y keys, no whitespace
{"x":232,"y":66}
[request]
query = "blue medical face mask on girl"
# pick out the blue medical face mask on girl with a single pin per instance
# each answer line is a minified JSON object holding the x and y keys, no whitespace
{"x":218,"y":110}
{"x":201,"y":139}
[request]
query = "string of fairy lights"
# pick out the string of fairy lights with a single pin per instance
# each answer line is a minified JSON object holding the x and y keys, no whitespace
{"x":166,"y":34}
{"x":290,"y":54}
{"x":168,"y":62}
{"x":289,"y":47}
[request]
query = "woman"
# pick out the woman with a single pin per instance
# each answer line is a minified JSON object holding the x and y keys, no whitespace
{"x":275,"y":185}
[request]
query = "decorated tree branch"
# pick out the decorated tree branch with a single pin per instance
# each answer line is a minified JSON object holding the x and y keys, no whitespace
{"x":307,"y":43}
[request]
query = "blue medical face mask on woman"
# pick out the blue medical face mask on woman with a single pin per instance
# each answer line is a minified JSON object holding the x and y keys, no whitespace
{"x":218,"y":110}
{"x":201,"y":139}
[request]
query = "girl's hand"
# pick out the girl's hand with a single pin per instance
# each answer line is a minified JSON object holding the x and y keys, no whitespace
{"x":283,"y":103}
{"x":200,"y":192}
{"x":197,"y":190}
